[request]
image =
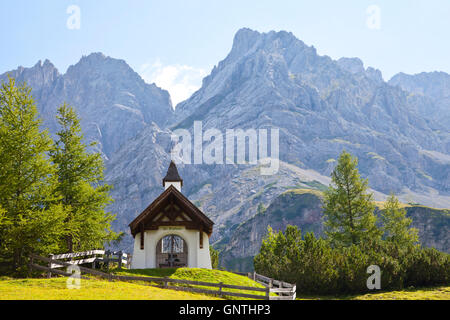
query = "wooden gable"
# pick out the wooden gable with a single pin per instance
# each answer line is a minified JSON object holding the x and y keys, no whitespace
{"x":171,"y":208}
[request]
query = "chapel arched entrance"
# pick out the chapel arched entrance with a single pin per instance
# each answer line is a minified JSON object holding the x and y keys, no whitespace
{"x":171,"y":252}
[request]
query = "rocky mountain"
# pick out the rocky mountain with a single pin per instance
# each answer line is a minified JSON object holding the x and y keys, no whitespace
{"x":303,"y":208}
{"x":321,"y":106}
{"x":429,"y":93}
{"x":300,"y":207}
{"x":113,"y":101}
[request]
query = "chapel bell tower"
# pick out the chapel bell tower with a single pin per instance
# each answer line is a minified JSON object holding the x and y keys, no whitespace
{"x":172,"y":178}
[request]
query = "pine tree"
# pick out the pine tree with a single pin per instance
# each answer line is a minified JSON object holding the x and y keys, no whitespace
{"x":396,"y":226}
{"x":348,"y":208}
{"x":214,"y":254}
{"x":268,"y":261}
{"x":31,"y":221}
{"x":80,"y":183}
{"x":279,"y":254}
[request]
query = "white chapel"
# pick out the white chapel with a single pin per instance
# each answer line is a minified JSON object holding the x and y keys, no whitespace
{"x":171,"y":231}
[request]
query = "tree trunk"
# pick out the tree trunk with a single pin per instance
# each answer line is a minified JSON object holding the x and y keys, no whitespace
{"x":16,"y":259}
{"x":69,"y":242}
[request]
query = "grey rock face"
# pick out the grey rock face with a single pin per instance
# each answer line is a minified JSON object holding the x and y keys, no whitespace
{"x":136,"y":172}
{"x":302,"y":209}
{"x":352,"y":65}
{"x":112,"y":100}
{"x":321,"y":107}
{"x":430,"y":94}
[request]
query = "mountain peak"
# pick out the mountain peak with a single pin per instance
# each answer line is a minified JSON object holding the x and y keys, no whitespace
{"x":246,"y":38}
{"x":243,"y":40}
{"x":98,"y":63}
{"x":112,"y":100}
{"x":99,"y":59}
{"x":245,"y":32}
{"x":95,"y":56}
{"x":47,"y":65}
{"x":352,"y":65}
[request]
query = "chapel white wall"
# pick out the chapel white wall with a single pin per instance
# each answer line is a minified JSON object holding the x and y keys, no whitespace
{"x":146,"y":258}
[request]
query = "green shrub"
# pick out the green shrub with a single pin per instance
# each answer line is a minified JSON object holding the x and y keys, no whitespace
{"x":427,"y":267}
{"x":319,"y":268}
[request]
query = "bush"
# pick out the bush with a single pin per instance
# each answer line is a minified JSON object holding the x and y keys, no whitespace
{"x":426,"y":267}
{"x":319,"y":268}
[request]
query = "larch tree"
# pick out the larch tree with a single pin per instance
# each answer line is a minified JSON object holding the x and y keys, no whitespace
{"x":348,"y":208}
{"x":31,"y":221}
{"x":80,"y":184}
{"x":395,"y":225}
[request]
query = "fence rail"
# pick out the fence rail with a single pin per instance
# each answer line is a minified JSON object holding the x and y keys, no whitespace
{"x":287,"y":293}
{"x":93,"y":256}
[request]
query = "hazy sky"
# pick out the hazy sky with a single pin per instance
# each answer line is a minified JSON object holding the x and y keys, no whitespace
{"x":175,"y":43}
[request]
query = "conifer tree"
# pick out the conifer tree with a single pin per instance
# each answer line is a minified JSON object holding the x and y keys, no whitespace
{"x":80,"y":183}
{"x":214,"y":254}
{"x":32,"y":219}
{"x":396,"y":226}
{"x":348,"y":208}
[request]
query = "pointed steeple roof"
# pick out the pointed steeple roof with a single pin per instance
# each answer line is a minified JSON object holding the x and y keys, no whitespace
{"x":172,"y":174}
{"x":149,"y":218}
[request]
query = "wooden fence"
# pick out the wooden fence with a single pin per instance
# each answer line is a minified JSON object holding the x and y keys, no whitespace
{"x":95,"y":257}
{"x":268,"y":282}
{"x":182,"y":285}
{"x":284,"y":289}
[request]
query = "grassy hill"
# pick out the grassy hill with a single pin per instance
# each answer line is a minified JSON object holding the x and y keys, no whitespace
{"x":198,"y":274}
{"x":93,"y":289}
{"x":194,"y":274}
{"x":98,"y":289}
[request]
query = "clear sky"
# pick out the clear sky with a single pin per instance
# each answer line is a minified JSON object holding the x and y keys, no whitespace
{"x":175,"y":43}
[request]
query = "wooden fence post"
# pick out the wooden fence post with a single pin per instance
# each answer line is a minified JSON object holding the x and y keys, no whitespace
{"x":267,"y":293}
{"x":119,"y":255}
{"x":106,"y":259}
{"x":254,"y":276}
{"x":166,"y":282}
{"x":128,"y":261}
{"x":271,"y":283}
{"x":50,"y":265}
{"x":220,"y":289}
{"x":30,"y":262}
